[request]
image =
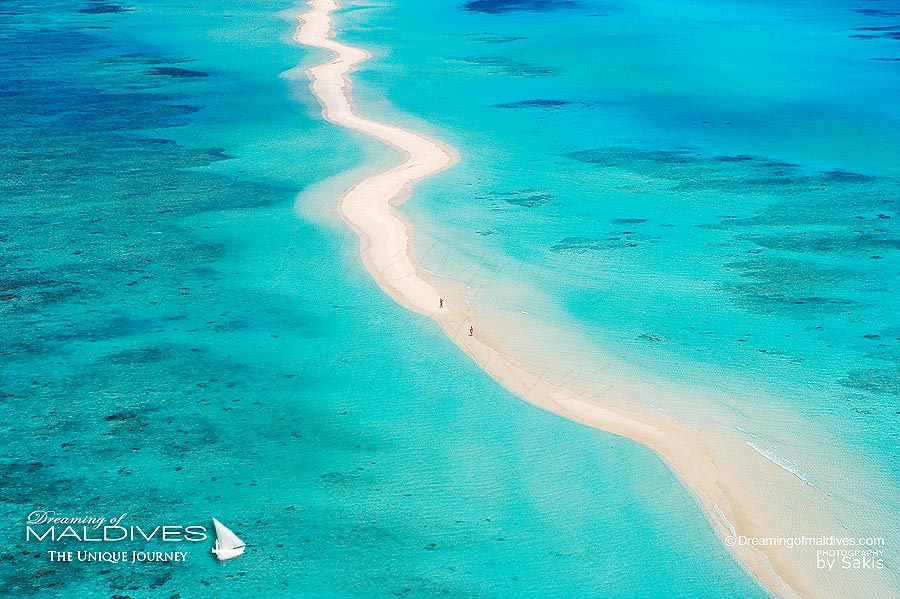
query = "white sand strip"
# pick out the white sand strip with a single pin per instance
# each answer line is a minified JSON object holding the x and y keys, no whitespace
{"x":731,"y":505}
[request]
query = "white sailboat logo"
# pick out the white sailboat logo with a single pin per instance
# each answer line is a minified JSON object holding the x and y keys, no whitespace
{"x":228,"y":545}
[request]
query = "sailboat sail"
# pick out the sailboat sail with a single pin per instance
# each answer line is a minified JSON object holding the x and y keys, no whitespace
{"x":228,"y":545}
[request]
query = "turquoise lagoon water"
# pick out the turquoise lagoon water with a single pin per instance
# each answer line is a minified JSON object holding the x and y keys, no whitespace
{"x":708,"y":190}
{"x":717,"y":184}
{"x":178,"y":343}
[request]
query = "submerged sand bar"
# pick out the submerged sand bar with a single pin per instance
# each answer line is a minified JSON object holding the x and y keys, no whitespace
{"x":704,"y":460}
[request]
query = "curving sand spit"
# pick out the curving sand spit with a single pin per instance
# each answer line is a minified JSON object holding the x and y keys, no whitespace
{"x":703,"y":460}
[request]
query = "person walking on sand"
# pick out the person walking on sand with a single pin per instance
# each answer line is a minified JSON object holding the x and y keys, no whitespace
{"x":442,"y":302}
{"x":471,"y":331}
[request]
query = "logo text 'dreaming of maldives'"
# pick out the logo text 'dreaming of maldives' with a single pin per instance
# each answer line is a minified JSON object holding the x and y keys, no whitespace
{"x":47,"y":526}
